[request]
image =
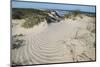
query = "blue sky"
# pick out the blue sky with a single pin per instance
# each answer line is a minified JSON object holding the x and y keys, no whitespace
{"x":18,"y":4}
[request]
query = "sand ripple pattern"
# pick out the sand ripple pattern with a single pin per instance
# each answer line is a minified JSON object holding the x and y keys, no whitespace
{"x":56,"y":43}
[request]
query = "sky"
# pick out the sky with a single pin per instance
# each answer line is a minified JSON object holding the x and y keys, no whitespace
{"x":37,"y":5}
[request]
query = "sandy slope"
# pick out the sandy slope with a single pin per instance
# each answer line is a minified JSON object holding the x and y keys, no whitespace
{"x":66,"y":41}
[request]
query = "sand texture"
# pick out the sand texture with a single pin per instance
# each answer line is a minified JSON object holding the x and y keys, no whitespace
{"x":65,"y":41}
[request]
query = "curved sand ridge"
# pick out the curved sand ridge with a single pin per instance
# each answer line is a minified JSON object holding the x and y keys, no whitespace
{"x":55,"y":43}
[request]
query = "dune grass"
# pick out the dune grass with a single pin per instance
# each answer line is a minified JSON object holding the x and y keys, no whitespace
{"x":73,"y":15}
{"x":32,"y":16}
{"x":17,"y":42}
{"x":22,"y":13}
{"x":31,"y":21}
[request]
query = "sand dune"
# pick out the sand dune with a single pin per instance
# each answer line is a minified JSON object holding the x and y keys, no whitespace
{"x":66,"y":41}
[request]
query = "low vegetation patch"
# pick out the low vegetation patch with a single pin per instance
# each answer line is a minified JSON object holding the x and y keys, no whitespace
{"x":73,"y":15}
{"x":17,"y":42}
{"x":76,"y":13}
{"x":22,"y":13}
{"x":31,"y":21}
{"x":32,"y":16}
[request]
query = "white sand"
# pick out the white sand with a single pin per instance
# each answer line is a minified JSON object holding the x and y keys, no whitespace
{"x":66,"y":41}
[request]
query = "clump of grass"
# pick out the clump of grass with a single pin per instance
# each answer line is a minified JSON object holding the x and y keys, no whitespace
{"x":76,"y":13}
{"x":18,"y":35}
{"x":67,"y":16}
{"x":17,"y":15}
{"x":32,"y":20}
{"x":73,"y":15}
{"x":16,"y":42}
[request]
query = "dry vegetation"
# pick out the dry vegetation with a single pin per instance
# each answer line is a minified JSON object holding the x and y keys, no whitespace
{"x":31,"y":21}
{"x":17,"y":42}
{"x":32,"y":16}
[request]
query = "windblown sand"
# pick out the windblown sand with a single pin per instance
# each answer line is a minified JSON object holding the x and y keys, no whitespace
{"x":66,"y":41}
